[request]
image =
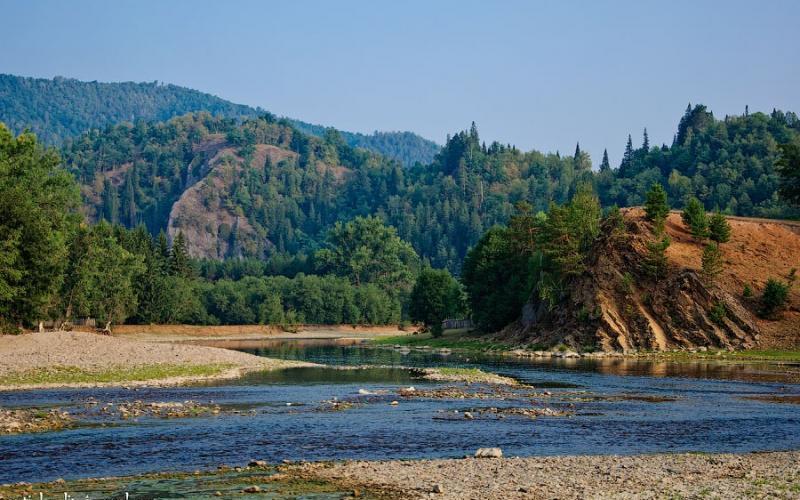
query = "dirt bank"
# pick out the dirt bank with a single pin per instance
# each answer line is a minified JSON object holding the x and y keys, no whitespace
{"x":73,"y":357}
{"x":756,"y":475}
{"x":620,"y":304}
{"x":170,"y":333}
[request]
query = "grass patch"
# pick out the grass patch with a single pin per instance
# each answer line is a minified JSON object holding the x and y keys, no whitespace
{"x":451,"y":339}
{"x":76,"y":375}
{"x":461,"y":372}
{"x":774,"y":355}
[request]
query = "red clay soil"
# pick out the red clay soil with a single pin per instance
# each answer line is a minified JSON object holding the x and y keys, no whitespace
{"x":759,"y":249}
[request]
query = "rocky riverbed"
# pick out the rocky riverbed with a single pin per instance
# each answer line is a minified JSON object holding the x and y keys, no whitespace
{"x":685,"y":475}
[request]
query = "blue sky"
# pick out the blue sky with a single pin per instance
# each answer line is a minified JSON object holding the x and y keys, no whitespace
{"x":541,"y":75}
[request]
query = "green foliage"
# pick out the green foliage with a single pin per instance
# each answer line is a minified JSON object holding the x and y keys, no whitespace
{"x":774,"y":297}
{"x":718,"y":313}
{"x":712,"y":264}
{"x":729,"y":164}
{"x":497,"y":281}
{"x":694,"y":216}
{"x":37,"y":204}
{"x":748,"y":291}
{"x":435,"y":297}
{"x":719,"y":229}
{"x":656,"y":207}
{"x":536,"y":252}
{"x":101,"y":276}
{"x":655,"y":262}
{"x":569,"y":231}
{"x":179,"y":264}
{"x":788,"y":166}
{"x":366,"y":251}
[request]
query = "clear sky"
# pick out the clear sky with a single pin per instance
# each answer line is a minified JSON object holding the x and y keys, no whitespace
{"x":539,"y":75}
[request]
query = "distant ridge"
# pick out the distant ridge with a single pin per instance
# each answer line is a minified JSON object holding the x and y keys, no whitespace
{"x":61,"y":108}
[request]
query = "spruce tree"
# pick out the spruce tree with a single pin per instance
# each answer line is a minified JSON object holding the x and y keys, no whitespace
{"x":179,"y":264}
{"x":719,"y":229}
{"x":655,"y":263}
{"x":656,"y":206}
{"x":711,"y":262}
{"x":694,"y":216}
{"x":645,"y":141}
{"x":605,"y":165}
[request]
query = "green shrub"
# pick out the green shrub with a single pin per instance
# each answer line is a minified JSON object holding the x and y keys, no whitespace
{"x":774,"y":298}
{"x":747,"y":292}
{"x":718,"y":313}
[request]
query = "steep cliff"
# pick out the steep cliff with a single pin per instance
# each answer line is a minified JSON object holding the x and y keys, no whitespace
{"x":616,"y":305}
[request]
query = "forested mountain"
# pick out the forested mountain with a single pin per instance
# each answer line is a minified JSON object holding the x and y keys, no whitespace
{"x":728,"y":164}
{"x":406,"y":147}
{"x":262,"y":187}
{"x":64,"y":108}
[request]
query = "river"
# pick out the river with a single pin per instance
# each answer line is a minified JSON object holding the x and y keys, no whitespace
{"x":611,"y":406}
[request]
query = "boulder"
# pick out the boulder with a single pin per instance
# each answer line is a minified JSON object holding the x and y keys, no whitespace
{"x":489,"y":453}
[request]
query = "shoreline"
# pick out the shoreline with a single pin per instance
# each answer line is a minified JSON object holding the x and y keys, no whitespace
{"x":769,"y":474}
{"x":467,"y":342}
{"x":81,"y":360}
{"x":680,"y":475}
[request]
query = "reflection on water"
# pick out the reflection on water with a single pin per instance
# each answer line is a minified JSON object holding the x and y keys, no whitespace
{"x":358,"y":351}
{"x":618,"y":405}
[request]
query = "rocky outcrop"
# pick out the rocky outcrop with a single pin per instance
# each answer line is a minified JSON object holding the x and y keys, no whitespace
{"x":614,"y":305}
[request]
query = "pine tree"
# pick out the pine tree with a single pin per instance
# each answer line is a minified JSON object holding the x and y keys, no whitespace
{"x":711,"y":262}
{"x":179,"y":264}
{"x":577,"y":156}
{"x":646,"y":141}
{"x":655,"y":263}
{"x":110,"y":202}
{"x":656,"y":206}
{"x":162,"y":250}
{"x":694,"y":216}
{"x":719,"y":229}
{"x":628,"y":155}
{"x":605,"y":165}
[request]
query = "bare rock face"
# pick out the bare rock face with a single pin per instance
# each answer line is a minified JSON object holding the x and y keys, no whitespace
{"x":616,"y":306}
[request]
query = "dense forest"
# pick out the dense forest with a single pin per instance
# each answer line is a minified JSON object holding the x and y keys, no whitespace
{"x":63,"y":108}
{"x":360,"y":270}
{"x":262,"y":189}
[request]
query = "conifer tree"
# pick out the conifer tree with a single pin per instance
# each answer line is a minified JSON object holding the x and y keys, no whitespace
{"x":179,"y":264}
{"x":694,"y":216}
{"x":711,"y":261}
{"x":719,"y":229}
{"x":656,"y":206}
{"x":110,"y":202}
{"x":645,"y":141}
{"x":605,"y":165}
{"x":655,"y":263}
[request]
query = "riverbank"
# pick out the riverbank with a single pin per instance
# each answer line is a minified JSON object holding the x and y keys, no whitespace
{"x":680,"y":475}
{"x":684,"y":475}
{"x":189,"y":333}
{"x":465,"y":340}
{"x":81,"y":359}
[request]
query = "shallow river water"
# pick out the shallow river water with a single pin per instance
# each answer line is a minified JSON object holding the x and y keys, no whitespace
{"x":615,"y":406}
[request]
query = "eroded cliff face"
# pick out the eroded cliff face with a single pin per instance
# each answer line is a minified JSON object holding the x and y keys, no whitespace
{"x":615,"y":305}
{"x":212,"y":227}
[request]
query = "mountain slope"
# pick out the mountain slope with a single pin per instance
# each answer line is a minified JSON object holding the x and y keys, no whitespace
{"x":64,"y":108}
